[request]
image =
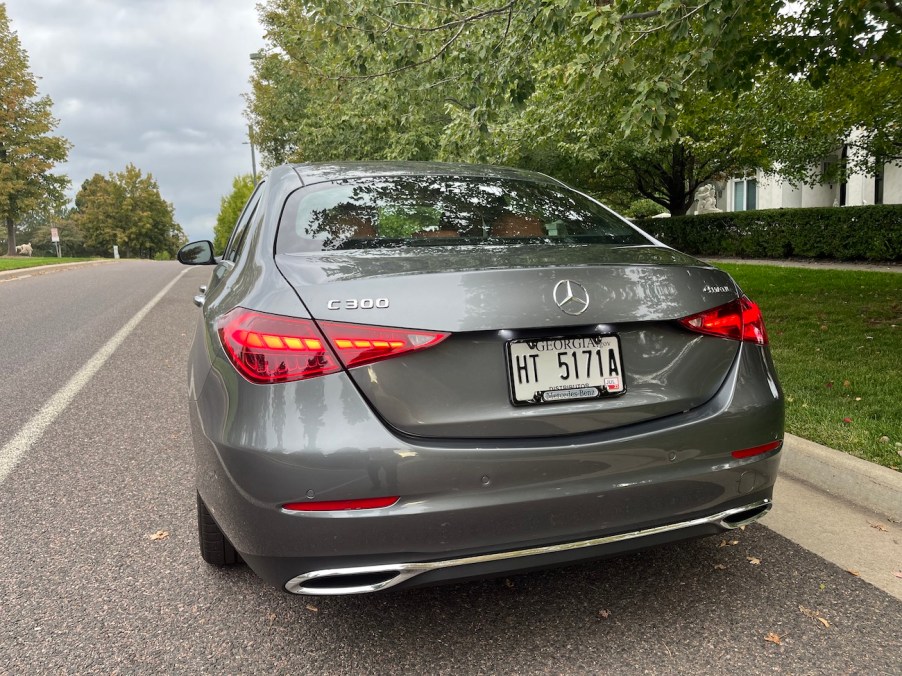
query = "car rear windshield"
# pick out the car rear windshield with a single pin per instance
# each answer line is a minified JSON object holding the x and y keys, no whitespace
{"x":444,"y":211}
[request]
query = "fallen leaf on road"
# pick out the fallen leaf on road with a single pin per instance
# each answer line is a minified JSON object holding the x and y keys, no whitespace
{"x":604,"y":614}
{"x":312,"y":609}
{"x":853,"y":572}
{"x":814,"y":615}
{"x":719,"y":566}
{"x":878,"y":526}
{"x":754,"y":560}
{"x":775,"y":638}
{"x":731,"y":543}
{"x":159,"y":535}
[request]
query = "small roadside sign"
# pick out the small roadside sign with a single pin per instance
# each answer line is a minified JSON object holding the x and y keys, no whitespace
{"x":55,"y":239}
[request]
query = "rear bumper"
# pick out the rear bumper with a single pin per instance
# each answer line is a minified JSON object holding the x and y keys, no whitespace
{"x":365,"y":579}
{"x":523,"y":504}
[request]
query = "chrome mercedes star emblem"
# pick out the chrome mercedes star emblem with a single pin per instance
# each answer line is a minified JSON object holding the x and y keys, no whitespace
{"x":571,"y":297}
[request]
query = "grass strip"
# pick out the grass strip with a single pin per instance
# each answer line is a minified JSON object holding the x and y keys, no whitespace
{"x":836,"y":338}
{"x":18,"y":263}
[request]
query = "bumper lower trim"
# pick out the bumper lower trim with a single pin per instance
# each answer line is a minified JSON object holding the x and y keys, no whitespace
{"x":366,"y":579}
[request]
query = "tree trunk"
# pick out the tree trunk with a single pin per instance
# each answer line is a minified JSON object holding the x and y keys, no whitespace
{"x":10,"y":236}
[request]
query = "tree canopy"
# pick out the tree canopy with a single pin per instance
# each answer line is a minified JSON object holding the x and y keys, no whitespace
{"x":230,"y":208}
{"x":126,"y":209}
{"x":28,"y":147}
{"x":625,"y":97}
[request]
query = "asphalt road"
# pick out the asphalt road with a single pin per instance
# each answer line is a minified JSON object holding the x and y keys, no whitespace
{"x":84,"y":589}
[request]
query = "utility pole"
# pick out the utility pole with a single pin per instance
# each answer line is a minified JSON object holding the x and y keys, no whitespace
{"x":250,"y":136}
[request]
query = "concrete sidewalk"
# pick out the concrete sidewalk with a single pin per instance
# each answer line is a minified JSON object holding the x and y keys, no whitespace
{"x":810,"y":264}
{"x":842,"y":508}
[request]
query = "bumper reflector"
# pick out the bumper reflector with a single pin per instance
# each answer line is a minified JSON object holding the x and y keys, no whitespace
{"x":340,"y":505}
{"x":757,"y":450}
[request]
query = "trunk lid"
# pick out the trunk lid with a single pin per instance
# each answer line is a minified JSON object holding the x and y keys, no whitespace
{"x":487,"y":296}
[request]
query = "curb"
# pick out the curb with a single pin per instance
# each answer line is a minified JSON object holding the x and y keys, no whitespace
{"x":43,"y":269}
{"x":863,"y":483}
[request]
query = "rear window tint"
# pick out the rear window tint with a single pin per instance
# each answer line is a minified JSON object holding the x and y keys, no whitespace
{"x":443,"y":211}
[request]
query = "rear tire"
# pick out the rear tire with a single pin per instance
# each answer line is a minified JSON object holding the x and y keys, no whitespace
{"x":215,"y":547}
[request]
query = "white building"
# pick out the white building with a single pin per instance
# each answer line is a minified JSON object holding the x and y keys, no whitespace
{"x":769,"y":191}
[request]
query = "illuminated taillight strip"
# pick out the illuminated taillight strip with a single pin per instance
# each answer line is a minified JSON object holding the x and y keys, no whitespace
{"x":359,"y":344}
{"x":757,"y":450}
{"x":340,"y":505}
{"x":269,"y":349}
{"x":739,"y":319}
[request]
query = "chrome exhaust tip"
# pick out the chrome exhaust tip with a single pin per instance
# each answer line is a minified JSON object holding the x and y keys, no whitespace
{"x":746,"y":515}
{"x":361,"y":580}
{"x":366,"y":579}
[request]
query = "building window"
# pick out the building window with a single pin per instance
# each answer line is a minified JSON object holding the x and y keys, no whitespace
{"x":878,"y":184}
{"x":844,"y":160}
{"x":745,"y":195}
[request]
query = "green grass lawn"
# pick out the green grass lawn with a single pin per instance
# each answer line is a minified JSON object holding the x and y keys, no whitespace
{"x":18,"y":262}
{"x":836,"y":337}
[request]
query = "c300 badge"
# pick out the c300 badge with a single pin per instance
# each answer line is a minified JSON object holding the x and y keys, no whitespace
{"x":358,"y":304}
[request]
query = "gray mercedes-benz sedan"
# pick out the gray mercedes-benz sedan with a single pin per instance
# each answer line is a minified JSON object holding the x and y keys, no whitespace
{"x":407,"y":373}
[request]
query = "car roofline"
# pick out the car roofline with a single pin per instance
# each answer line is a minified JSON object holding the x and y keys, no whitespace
{"x":312,"y":173}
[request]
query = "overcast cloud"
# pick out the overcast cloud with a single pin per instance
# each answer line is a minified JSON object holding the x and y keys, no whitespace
{"x":157,"y":83}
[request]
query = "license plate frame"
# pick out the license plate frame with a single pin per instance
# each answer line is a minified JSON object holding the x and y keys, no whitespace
{"x":574,"y":351}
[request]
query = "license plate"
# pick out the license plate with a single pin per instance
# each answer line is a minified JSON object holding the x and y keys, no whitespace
{"x":569,"y":368}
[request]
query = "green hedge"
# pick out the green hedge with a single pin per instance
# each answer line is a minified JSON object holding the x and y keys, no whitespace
{"x":867,"y":233}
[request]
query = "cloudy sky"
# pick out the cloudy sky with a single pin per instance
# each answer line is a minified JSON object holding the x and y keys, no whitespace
{"x":157,"y":83}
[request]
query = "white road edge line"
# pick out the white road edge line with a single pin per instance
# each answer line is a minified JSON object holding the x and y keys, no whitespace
{"x":30,"y":432}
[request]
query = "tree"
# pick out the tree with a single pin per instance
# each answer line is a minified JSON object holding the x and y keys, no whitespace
{"x":815,"y":36}
{"x":28,"y":149}
{"x":858,"y":106}
{"x":481,"y":57}
{"x":519,"y":83}
{"x":230,"y":208}
{"x":126,"y":209}
{"x":626,"y":97}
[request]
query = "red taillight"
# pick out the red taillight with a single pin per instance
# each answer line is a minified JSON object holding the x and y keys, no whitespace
{"x":757,"y":450}
{"x":340,"y":505}
{"x":275,"y":349}
{"x":357,"y":345}
{"x":738,"y":320}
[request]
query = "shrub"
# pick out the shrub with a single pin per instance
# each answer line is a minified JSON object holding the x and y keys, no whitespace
{"x":866,"y":233}
{"x":644,"y":208}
